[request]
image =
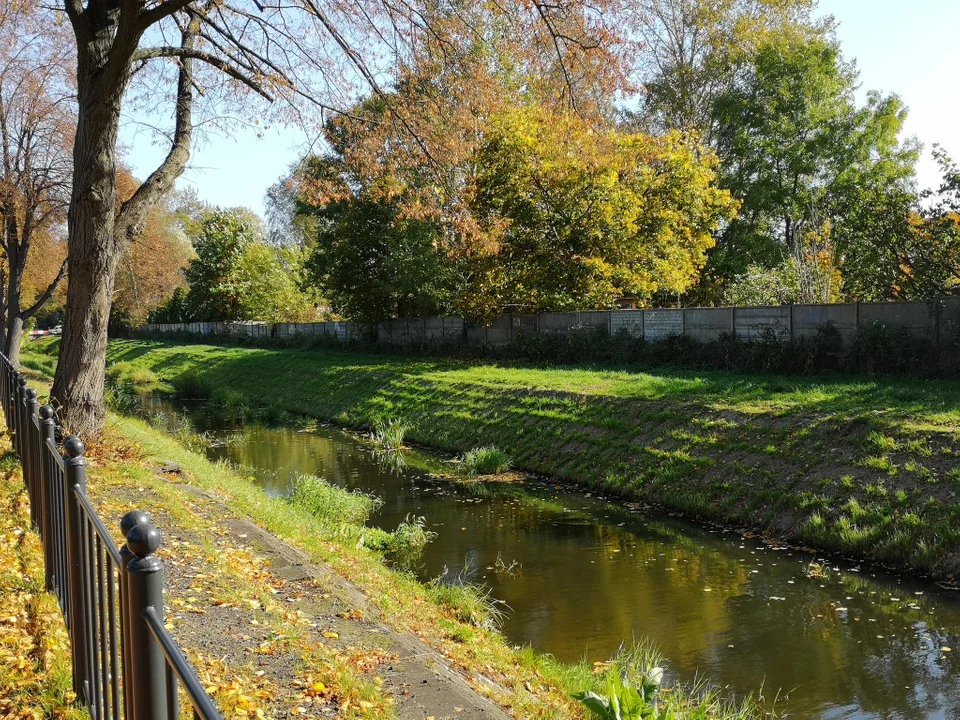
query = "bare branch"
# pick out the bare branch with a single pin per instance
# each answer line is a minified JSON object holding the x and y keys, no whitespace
{"x":192,"y":53}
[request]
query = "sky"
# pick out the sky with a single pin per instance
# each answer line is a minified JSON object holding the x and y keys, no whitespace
{"x":908,"y":48}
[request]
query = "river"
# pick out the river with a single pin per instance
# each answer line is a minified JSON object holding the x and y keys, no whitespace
{"x":581,"y":574}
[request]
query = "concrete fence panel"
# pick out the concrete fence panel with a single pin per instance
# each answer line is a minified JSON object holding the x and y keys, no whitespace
{"x":559,"y":322}
{"x":808,"y":318}
{"x":707,"y":324}
{"x":526,"y":323}
{"x":474,"y":334}
{"x":432,"y":329}
{"x":949,"y":321}
{"x":659,"y":324}
{"x":595,"y":319}
{"x":630,"y":321}
{"x":751,"y":323}
{"x":453,"y":329}
{"x":916,"y":318}
{"x":500,"y":332}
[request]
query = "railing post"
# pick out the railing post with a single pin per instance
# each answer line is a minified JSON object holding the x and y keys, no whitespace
{"x":73,"y":514}
{"x":18,"y":413}
{"x":48,"y":429}
{"x":28,"y":460}
{"x":127,"y":523}
{"x":148,"y":681}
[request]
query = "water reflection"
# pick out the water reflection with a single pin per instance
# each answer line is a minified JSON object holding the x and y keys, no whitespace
{"x":594,"y":574}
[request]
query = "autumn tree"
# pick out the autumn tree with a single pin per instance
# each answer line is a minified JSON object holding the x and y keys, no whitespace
{"x":152,"y":265}
{"x":36,"y":128}
{"x":304,"y":57}
{"x":581,"y":215}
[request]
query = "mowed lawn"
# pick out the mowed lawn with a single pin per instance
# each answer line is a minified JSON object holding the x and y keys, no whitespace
{"x":854,"y":464}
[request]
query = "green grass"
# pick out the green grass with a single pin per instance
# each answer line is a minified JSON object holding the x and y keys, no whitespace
{"x":720,"y":446}
{"x":330,"y":503}
{"x":484,"y":461}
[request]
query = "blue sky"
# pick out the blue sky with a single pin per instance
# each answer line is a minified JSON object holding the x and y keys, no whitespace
{"x":909,"y":48}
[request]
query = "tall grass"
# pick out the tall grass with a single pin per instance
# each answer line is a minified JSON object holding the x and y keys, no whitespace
{"x":191,"y":384}
{"x":328,"y":502}
{"x":389,"y":434}
{"x":484,"y":461}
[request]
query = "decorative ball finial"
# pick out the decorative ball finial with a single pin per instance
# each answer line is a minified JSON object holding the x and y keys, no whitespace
{"x":131,"y":520}
{"x":73,"y":446}
{"x":31,"y":394}
{"x":46,"y":412}
{"x":21,"y":380}
{"x":143,"y":539}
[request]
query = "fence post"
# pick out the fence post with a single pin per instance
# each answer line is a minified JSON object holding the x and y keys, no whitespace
{"x":18,"y":412}
{"x":127,"y":523}
{"x":48,"y":428}
{"x":28,"y":461}
{"x":148,"y":681}
{"x":76,"y":479}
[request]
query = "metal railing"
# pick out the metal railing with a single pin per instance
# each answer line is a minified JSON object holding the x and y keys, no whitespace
{"x":125,"y":662}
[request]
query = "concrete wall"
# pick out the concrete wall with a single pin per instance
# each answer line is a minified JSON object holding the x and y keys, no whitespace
{"x":937,"y":321}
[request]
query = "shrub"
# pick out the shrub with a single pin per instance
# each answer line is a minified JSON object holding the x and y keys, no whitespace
{"x":328,"y":502}
{"x":485,"y":461}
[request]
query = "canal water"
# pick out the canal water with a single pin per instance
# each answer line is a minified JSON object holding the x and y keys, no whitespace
{"x":581,"y":574}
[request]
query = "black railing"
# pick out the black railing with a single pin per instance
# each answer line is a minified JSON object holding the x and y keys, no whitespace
{"x":125,"y":663}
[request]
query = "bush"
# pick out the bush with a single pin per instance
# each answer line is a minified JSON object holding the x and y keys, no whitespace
{"x":328,"y":502}
{"x":485,"y":461}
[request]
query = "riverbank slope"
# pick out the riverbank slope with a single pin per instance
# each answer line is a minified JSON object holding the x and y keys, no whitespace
{"x":285,"y":611}
{"x":860,"y":466}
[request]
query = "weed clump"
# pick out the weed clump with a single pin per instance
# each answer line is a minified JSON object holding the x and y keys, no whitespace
{"x":469,"y":602}
{"x":130,"y":375}
{"x":389,"y":434}
{"x":191,"y":384}
{"x":328,"y":502}
{"x":485,"y":461}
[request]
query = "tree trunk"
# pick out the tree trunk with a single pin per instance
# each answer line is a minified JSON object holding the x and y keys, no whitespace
{"x":14,"y":338}
{"x":93,"y":249}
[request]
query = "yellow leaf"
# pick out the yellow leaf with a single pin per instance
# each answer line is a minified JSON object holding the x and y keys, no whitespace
{"x":331,"y":635}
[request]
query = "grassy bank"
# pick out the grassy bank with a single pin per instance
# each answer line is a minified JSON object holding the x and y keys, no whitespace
{"x":326,"y":524}
{"x":867,"y":467}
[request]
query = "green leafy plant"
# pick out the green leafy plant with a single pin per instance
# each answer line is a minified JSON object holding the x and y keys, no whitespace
{"x":625,"y":699}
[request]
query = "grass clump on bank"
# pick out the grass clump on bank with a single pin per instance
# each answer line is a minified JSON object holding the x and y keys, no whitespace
{"x":389,"y":434}
{"x":330,"y":503}
{"x":484,"y":461}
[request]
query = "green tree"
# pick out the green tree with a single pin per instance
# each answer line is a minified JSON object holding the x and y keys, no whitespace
{"x":237,"y":276}
{"x":798,"y":152}
{"x":906,"y":245}
{"x":693,"y":52}
{"x":373,"y":264}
